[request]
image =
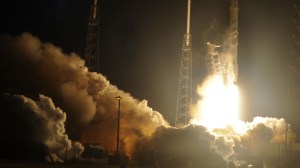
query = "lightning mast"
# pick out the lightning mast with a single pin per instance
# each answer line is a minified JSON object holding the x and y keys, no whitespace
{"x":92,"y":40}
{"x":184,"y":98}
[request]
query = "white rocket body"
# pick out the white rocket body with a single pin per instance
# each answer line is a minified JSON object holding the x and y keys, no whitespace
{"x":233,"y":39}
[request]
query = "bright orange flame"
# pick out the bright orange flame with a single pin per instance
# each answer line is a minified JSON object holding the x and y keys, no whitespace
{"x":219,"y":106}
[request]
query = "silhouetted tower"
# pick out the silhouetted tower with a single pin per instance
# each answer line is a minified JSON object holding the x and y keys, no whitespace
{"x":184,"y":98}
{"x":92,"y":40}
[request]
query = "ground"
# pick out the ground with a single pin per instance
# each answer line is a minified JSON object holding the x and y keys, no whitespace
{"x":19,"y":164}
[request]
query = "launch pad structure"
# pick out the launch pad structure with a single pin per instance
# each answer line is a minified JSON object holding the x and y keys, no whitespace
{"x":213,"y":61}
{"x":184,"y":98}
{"x":92,"y":40}
{"x":217,"y":63}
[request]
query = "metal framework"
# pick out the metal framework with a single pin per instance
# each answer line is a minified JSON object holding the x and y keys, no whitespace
{"x":184,"y":98}
{"x":213,"y":61}
{"x":92,"y":40}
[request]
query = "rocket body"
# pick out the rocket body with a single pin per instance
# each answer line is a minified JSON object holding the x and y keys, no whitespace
{"x":94,"y":10}
{"x":233,"y":37}
{"x":234,"y":15}
{"x":188,"y":17}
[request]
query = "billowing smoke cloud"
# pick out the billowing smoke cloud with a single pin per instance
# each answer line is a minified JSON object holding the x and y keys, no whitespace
{"x":191,"y":144}
{"x":38,"y":124}
{"x":214,"y":148}
{"x":29,"y":67}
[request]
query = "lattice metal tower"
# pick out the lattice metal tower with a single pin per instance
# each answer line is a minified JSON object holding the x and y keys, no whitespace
{"x":184,"y":98}
{"x":92,"y":40}
{"x":213,"y":61}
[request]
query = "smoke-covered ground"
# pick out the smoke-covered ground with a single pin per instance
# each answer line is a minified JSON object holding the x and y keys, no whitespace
{"x":50,"y":102}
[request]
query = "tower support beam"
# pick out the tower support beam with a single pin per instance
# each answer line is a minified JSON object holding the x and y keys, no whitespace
{"x":184,"y":99}
{"x":213,"y":61}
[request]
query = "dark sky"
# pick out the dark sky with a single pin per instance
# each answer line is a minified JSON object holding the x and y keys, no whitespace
{"x":140,"y":43}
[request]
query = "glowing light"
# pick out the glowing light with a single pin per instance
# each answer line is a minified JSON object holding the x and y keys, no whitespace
{"x":219,"y":105}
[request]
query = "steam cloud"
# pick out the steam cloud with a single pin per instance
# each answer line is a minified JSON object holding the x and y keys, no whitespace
{"x":38,"y":123}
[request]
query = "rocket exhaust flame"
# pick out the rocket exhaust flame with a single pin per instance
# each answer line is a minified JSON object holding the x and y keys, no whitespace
{"x":219,"y":105}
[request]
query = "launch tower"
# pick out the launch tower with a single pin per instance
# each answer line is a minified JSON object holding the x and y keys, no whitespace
{"x":184,"y":98}
{"x":92,"y":40}
{"x":213,"y":61}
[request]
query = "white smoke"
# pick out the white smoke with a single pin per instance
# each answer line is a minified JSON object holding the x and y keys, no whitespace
{"x":52,"y":122}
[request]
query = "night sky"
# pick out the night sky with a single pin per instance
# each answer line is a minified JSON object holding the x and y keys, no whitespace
{"x":140,"y":44}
